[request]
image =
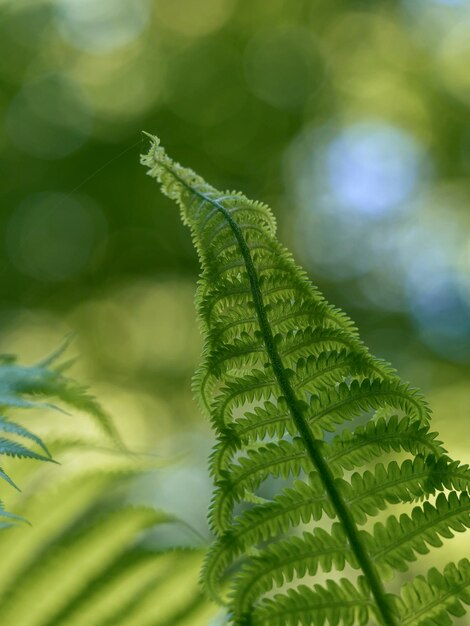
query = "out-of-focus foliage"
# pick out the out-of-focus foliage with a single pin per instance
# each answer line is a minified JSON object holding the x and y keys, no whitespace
{"x":36,"y":387}
{"x":88,"y":555}
{"x":90,"y":558}
{"x":349,"y":117}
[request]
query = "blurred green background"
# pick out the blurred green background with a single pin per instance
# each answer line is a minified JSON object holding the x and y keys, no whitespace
{"x":349,"y":117}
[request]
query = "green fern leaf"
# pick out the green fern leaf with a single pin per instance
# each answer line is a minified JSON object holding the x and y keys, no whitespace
{"x":8,"y":426}
{"x":23,"y":387}
{"x":281,"y":370}
{"x":34,"y":387}
{"x":335,"y":603}
{"x":431,"y":600}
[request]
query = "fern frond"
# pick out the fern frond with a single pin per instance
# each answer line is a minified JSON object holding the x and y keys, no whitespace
{"x":365,"y":494}
{"x":294,"y":557}
{"x":283,"y":460}
{"x":8,"y":426}
{"x":333,"y":604}
{"x":398,"y":541}
{"x":370,"y":441}
{"x":435,"y":599}
{"x":23,"y":387}
{"x":35,"y":387}
{"x":282,"y":370}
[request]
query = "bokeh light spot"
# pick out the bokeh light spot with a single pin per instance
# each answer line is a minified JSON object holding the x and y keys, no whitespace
{"x":353,"y":187}
{"x":454,"y":61}
{"x":193,"y":18}
{"x":442,"y":314}
{"x":103,"y":26}
{"x":373,"y":167}
{"x":52,"y":237}
{"x":451,"y":2}
{"x":49,"y":118}
{"x":123,"y":332}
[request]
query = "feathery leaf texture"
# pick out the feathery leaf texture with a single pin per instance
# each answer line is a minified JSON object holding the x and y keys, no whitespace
{"x":37,"y":386}
{"x":282,"y":370}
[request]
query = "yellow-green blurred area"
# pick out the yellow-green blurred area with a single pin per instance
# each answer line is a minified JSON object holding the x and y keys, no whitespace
{"x":349,"y":117}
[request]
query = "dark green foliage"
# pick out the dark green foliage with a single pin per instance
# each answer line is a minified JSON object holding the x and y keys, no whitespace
{"x":281,"y":370}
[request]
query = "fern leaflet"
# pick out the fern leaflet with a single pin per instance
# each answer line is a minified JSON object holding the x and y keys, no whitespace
{"x":30,"y":387}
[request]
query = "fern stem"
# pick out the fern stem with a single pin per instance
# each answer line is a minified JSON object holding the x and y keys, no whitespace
{"x":344,"y":515}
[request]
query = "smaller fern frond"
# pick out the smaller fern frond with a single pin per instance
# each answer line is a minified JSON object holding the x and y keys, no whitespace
{"x":15,"y":449}
{"x":33,"y":387}
{"x":436,"y":599}
{"x":370,"y":441}
{"x":335,"y":603}
{"x":294,"y":557}
{"x":399,"y":541}
{"x":9,"y":519}
{"x":8,"y":426}
{"x":9,"y":447}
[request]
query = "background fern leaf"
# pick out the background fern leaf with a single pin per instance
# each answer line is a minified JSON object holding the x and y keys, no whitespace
{"x":89,"y":557}
{"x":33,"y":387}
